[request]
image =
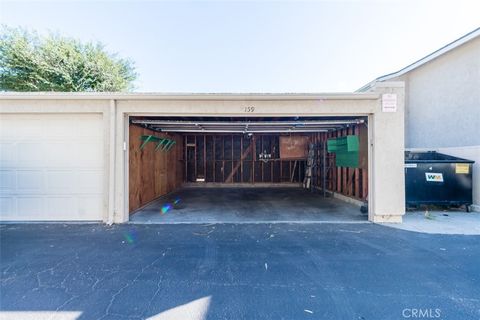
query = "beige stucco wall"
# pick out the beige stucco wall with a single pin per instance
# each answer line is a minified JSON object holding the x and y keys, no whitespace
{"x":386,"y":198}
{"x":443,"y":100}
{"x":443,"y":107}
{"x":386,"y":135}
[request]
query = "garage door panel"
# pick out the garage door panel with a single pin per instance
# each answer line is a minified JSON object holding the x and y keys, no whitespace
{"x":60,"y":182}
{"x":7,"y":207}
{"x":85,"y":130}
{"x":7,"y":154}
{"x":30,"y":181}
{"x":60,"y":128}
{"x":59,"y":207}
{"x":7,"y":131}
{"x":7,"y":181}
{"x":52,"y":167}
{"x":89,"y":207}
{"x":51,"y":208}
{"x":29,"y":128}
{"x":32,"y":207}
{"x":60,"y":154}
{"x":89,"y":182}
{"x":30,"y":154}
{"x":87,"y":154}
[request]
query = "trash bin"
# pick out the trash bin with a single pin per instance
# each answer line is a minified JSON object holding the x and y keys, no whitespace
{"x":433,"y":178}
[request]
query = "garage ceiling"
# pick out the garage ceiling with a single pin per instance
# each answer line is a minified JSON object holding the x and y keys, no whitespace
{"x":247,"y":126}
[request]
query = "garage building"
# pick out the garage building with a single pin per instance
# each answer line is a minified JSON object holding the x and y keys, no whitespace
{"x":112,"y":157}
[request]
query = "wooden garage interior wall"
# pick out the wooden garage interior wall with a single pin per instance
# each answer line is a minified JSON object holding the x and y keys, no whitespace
{"x":152,"y":173}
{"x":234,"y":158}
{"x":213,"y":157}
{"x":351,"y":182}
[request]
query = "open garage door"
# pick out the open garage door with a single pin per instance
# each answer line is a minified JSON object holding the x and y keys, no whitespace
{"x":205,"y":169}
{"x":37,"y":177}
{"x":51,"y":167}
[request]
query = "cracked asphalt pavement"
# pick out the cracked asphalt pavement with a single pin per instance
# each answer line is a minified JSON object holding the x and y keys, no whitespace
{"x":229,"y":271}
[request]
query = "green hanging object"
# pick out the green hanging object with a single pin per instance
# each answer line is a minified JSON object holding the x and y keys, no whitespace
{"x":171,"y":145}
{"x":163,"y":144}
{"x":346,"y":151}
{"x":145,"y":139}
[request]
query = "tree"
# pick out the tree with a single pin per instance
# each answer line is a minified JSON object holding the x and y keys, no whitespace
{"x":29,"y":62}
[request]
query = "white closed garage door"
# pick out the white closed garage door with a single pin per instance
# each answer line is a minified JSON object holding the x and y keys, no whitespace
{"x":51,"y":167}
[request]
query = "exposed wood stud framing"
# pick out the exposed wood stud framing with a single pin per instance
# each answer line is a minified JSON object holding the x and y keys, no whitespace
{"x":223,"y":158}
{"x":237,"y":165}
{"x":357,"y":173}
{"x":241,"y":162}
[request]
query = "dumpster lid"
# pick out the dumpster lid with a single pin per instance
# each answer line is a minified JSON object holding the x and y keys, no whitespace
{"x":432,"y":156}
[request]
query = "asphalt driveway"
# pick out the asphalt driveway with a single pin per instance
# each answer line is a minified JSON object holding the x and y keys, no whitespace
{"x":228,"y":271}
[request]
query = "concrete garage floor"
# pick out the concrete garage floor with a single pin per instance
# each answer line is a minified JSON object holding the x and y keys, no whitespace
{"x":248,"y":205}
{"x":231,"y":271}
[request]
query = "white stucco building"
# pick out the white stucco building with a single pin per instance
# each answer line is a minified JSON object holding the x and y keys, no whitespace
{"x":442,"y":102}
{"x":76,"y":156}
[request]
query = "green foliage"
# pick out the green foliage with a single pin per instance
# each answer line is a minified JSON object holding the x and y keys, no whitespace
{"x":29,"y":62}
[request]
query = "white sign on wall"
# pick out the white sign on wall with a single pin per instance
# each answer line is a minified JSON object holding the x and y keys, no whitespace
{"x":389,"y":102}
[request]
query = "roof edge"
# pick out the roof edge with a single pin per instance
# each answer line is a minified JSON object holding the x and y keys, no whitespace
{"x":183,"y":96}
{"x":443,"y":50}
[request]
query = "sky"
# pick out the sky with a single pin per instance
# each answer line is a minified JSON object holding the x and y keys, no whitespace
{"x":255,"y":46}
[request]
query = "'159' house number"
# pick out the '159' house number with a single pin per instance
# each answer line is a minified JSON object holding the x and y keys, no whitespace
{"x":249,"y":109}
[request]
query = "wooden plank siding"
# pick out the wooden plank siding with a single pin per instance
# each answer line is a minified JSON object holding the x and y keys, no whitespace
{"x":153,"y":173}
